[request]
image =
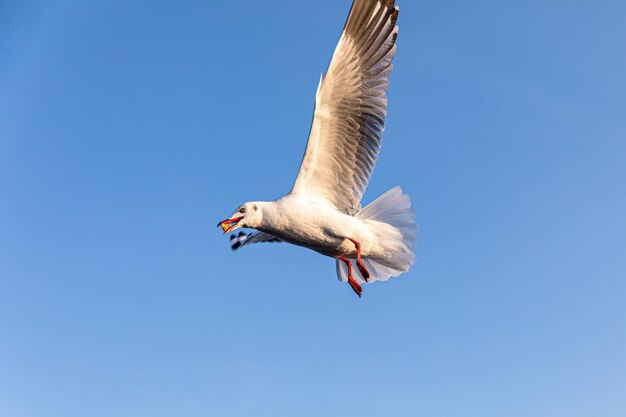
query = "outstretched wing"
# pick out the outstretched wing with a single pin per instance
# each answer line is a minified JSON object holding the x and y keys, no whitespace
{"x":242,"y":239}
{"x":350,"y":108}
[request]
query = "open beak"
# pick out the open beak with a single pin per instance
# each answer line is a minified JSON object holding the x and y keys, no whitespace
{"x":229,"y":224}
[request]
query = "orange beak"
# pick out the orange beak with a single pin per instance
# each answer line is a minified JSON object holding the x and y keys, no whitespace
{"x":228,"y":224}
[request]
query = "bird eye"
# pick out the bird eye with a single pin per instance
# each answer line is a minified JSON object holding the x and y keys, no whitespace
{"x":242,"y":209}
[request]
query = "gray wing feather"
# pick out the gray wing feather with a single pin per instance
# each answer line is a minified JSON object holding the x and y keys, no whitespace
{"x":350,"y":108}
{"x":243,"y":239}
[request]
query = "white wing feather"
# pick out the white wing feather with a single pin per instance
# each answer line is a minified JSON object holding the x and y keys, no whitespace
{"x":350,"y":109}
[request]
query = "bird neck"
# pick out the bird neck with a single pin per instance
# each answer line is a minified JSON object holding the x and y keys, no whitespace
{"x":269,"y":215}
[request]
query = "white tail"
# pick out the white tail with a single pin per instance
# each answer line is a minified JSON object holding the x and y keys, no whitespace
{"x":393,"y":208}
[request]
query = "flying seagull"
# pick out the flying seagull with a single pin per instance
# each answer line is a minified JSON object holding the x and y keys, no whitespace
{"x":323,"y":210}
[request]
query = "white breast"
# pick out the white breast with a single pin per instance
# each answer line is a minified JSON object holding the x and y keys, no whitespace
{"x":320,"y":227}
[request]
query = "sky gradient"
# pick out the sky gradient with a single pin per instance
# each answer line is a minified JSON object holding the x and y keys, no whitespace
{"x":128,"y":129}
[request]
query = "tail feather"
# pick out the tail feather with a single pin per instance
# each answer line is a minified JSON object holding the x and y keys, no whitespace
{"x":393,"y":208}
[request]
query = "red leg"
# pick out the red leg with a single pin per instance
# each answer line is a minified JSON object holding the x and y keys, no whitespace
{"x":355,"y":285}
{"x":362,"y":269}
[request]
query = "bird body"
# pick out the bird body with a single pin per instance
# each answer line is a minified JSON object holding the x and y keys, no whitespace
{"x":323,"y":210}
{"x":318,"y":226}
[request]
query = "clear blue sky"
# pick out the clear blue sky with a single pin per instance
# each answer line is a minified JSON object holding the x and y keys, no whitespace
{"x":128,"y":129}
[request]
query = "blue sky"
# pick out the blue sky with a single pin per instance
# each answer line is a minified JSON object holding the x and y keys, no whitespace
{"x":128,"y":129}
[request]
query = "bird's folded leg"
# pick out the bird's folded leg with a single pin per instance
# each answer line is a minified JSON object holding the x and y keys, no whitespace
{"x":362,"y":269}
{"x":355,"y":285}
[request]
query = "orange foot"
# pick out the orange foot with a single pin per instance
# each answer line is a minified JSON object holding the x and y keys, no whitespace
{"x":362,"y":269}
{"x":355,"y":285}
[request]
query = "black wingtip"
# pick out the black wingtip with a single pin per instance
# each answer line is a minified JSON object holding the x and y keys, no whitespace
{"x":237,"y":240}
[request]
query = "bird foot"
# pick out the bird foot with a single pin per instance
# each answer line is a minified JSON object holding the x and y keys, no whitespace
{"x":355,"y":286}
{"x":363,"y":270}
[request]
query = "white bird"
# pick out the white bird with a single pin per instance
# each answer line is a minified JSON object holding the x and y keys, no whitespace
{"x":323,"y":210}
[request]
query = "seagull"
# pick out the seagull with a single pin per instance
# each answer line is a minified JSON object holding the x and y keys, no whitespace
{"x":323,"y":210}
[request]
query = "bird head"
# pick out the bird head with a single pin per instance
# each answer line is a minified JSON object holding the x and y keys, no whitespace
{"x":247,"y":215}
